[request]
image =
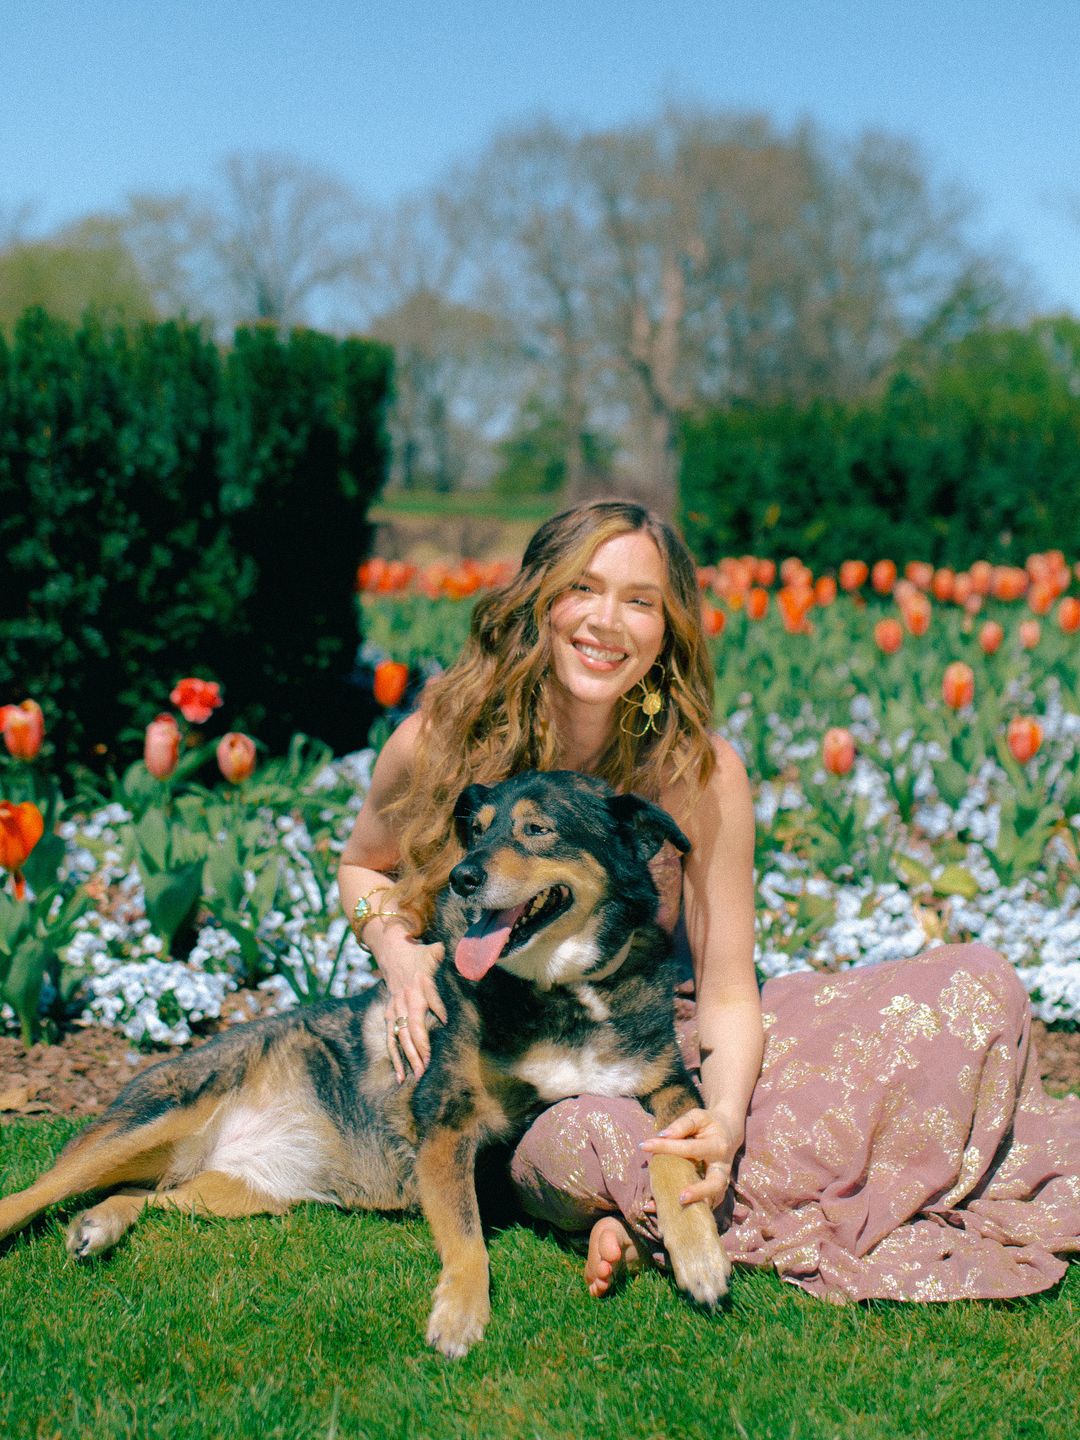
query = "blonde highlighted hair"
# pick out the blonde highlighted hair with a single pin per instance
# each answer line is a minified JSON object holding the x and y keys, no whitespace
{"x":490,"y":715}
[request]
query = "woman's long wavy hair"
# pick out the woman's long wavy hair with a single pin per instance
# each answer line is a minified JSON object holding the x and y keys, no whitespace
{"x":490,"y":715}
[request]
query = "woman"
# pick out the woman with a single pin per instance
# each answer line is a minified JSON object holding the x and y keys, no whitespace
{"x":593,"y":658}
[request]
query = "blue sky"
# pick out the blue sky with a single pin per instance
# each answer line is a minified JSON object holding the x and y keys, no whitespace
{"x":103,"y":97}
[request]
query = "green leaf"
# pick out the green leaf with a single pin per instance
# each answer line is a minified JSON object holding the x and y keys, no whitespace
{"x":43,"y":864}
{"x":912,"y":871}
{"x":266,"y":889}
{"x":955,"y":880}
{"x":14,"y":921}
{"x":22,"y":987}
{"x":171,"y":897}
{"x":152,"y":833}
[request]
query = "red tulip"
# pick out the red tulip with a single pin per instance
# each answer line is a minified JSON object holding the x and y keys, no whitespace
{"x":196,"y":699}
{"x":990,"y":637}
{"x":1030,"y":632}
{"x":1068,"y":615}
{"x":958,"y":685}
{"x":391,"y":677}
{"x":21,"y":827}
{"x":888,"y":635}
{"x":712,"y":619}
{"x":1024,"y":737}
{"x":838,"y":750}
{"x":853,"y":574}
{"x":161,"y":746}
{"x":24,"y":729}
{"x":236,"y":756}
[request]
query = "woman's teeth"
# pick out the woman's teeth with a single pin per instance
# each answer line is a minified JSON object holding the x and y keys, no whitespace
{"x":607,"y":657}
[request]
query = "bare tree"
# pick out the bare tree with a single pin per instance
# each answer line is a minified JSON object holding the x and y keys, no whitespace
{"x":275,"y":238}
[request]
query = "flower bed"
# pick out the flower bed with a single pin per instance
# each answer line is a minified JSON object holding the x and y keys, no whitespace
{"x":914,"y":764}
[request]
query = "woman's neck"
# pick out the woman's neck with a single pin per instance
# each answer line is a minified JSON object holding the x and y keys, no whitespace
{"x":584,"y":733}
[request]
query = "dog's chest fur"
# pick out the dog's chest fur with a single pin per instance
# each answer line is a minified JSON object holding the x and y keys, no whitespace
{"x":611,"y":1038}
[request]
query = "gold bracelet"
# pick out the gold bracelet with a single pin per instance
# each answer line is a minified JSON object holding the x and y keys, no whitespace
{"x":364,"y":911}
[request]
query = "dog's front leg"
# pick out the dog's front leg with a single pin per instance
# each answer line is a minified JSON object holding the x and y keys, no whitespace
{"x":689,"y":1232}
{"x":446,"y":1178}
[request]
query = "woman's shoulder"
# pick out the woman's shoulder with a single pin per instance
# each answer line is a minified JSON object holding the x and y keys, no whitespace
{"x":724,"y":798}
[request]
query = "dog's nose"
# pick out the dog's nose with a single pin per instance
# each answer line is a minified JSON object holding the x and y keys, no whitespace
{"x":466,"y":877}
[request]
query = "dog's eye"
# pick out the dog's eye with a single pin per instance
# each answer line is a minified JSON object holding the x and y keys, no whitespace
{"x":533,"y":827}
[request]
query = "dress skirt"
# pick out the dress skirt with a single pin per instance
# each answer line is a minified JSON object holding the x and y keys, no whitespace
{"x":899,"y":1142}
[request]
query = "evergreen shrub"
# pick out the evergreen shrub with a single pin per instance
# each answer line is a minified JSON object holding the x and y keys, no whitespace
{"x":976,"y":456}
{"x":168,"y":510}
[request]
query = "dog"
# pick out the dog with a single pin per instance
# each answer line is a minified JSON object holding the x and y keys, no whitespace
{"x":557,"y":982}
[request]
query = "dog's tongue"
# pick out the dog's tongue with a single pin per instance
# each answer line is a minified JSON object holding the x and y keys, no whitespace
{"x":483,"y":943}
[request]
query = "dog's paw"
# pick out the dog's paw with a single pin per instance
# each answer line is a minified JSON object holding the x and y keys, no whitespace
{"x":702,"y":1268}
{"x":92,"y":1233}
{"x":455,"y":1325}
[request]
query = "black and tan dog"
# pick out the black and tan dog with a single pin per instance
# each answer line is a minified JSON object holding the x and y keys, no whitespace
{"x":560,"y":985}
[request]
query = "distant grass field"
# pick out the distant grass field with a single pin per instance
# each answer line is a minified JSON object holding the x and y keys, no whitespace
{"x":483,"y":504}
{"x":311,"y":1325}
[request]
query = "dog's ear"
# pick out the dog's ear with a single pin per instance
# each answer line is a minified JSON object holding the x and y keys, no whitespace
{"x":468,"y":802}
{"x":651,"y":825}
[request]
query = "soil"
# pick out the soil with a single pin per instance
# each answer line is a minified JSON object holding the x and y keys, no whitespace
{"x":83,"y":1072}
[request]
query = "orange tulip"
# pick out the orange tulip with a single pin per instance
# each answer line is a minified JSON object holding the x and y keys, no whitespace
{"x":1030,"y":632}
{"x":883,"y":576}
{"x":888,"y":635}
{"x":981,"y":572}
{"x":794,"y":602}
{"x":1008,"y":582}
{"x":1024,"y":737}
{"x":236,"y":756}
{"x":990,"y":637}
{"x":1041,"y":597}
{"x":391,"y":677}
{"x":24,"y":729}
{"x":853,"y":573}
{"x":763,"y":572}
{"x":161,"y":746}
{"x":920,"y":573}
{"x":963,"y":588}
{"x":757,"y":602}
{"x":838,"y":750}
{"x":369,"y":575}
{"x":21,"y":827}
{"x":943,"y":585}
{"x":916,"y":613}
{"x":824,"y":590}
{"x":196,"y":699}
{"x":958,"y":685}
{"x":712,"y":619}
{"x":1068,"y":615}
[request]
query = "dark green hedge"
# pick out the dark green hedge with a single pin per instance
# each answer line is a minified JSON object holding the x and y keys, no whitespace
{"x":167,"y":510}
{"x":977,"y":457}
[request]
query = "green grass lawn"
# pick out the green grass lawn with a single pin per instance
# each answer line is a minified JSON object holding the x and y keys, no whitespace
{"x":312,"y":1324}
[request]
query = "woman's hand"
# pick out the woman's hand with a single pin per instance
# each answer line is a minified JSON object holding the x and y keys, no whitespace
{"x":709,"y":1139}
{"x":408,"y":968}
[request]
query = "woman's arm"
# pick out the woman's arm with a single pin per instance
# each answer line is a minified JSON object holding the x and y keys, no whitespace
{"x":370,"y":853}
{"x":718,"y":896}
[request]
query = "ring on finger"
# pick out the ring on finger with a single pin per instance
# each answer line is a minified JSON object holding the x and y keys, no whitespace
{"x":401,"y":1023}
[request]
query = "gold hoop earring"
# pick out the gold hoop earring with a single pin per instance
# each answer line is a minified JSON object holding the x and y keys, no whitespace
{"x":649,"y":702}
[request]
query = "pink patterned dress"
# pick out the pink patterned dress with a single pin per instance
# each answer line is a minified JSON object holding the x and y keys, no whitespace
{"x":899,"y":1143}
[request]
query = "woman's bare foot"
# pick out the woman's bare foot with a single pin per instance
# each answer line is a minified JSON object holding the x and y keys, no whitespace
{"x":610,"y":1251}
